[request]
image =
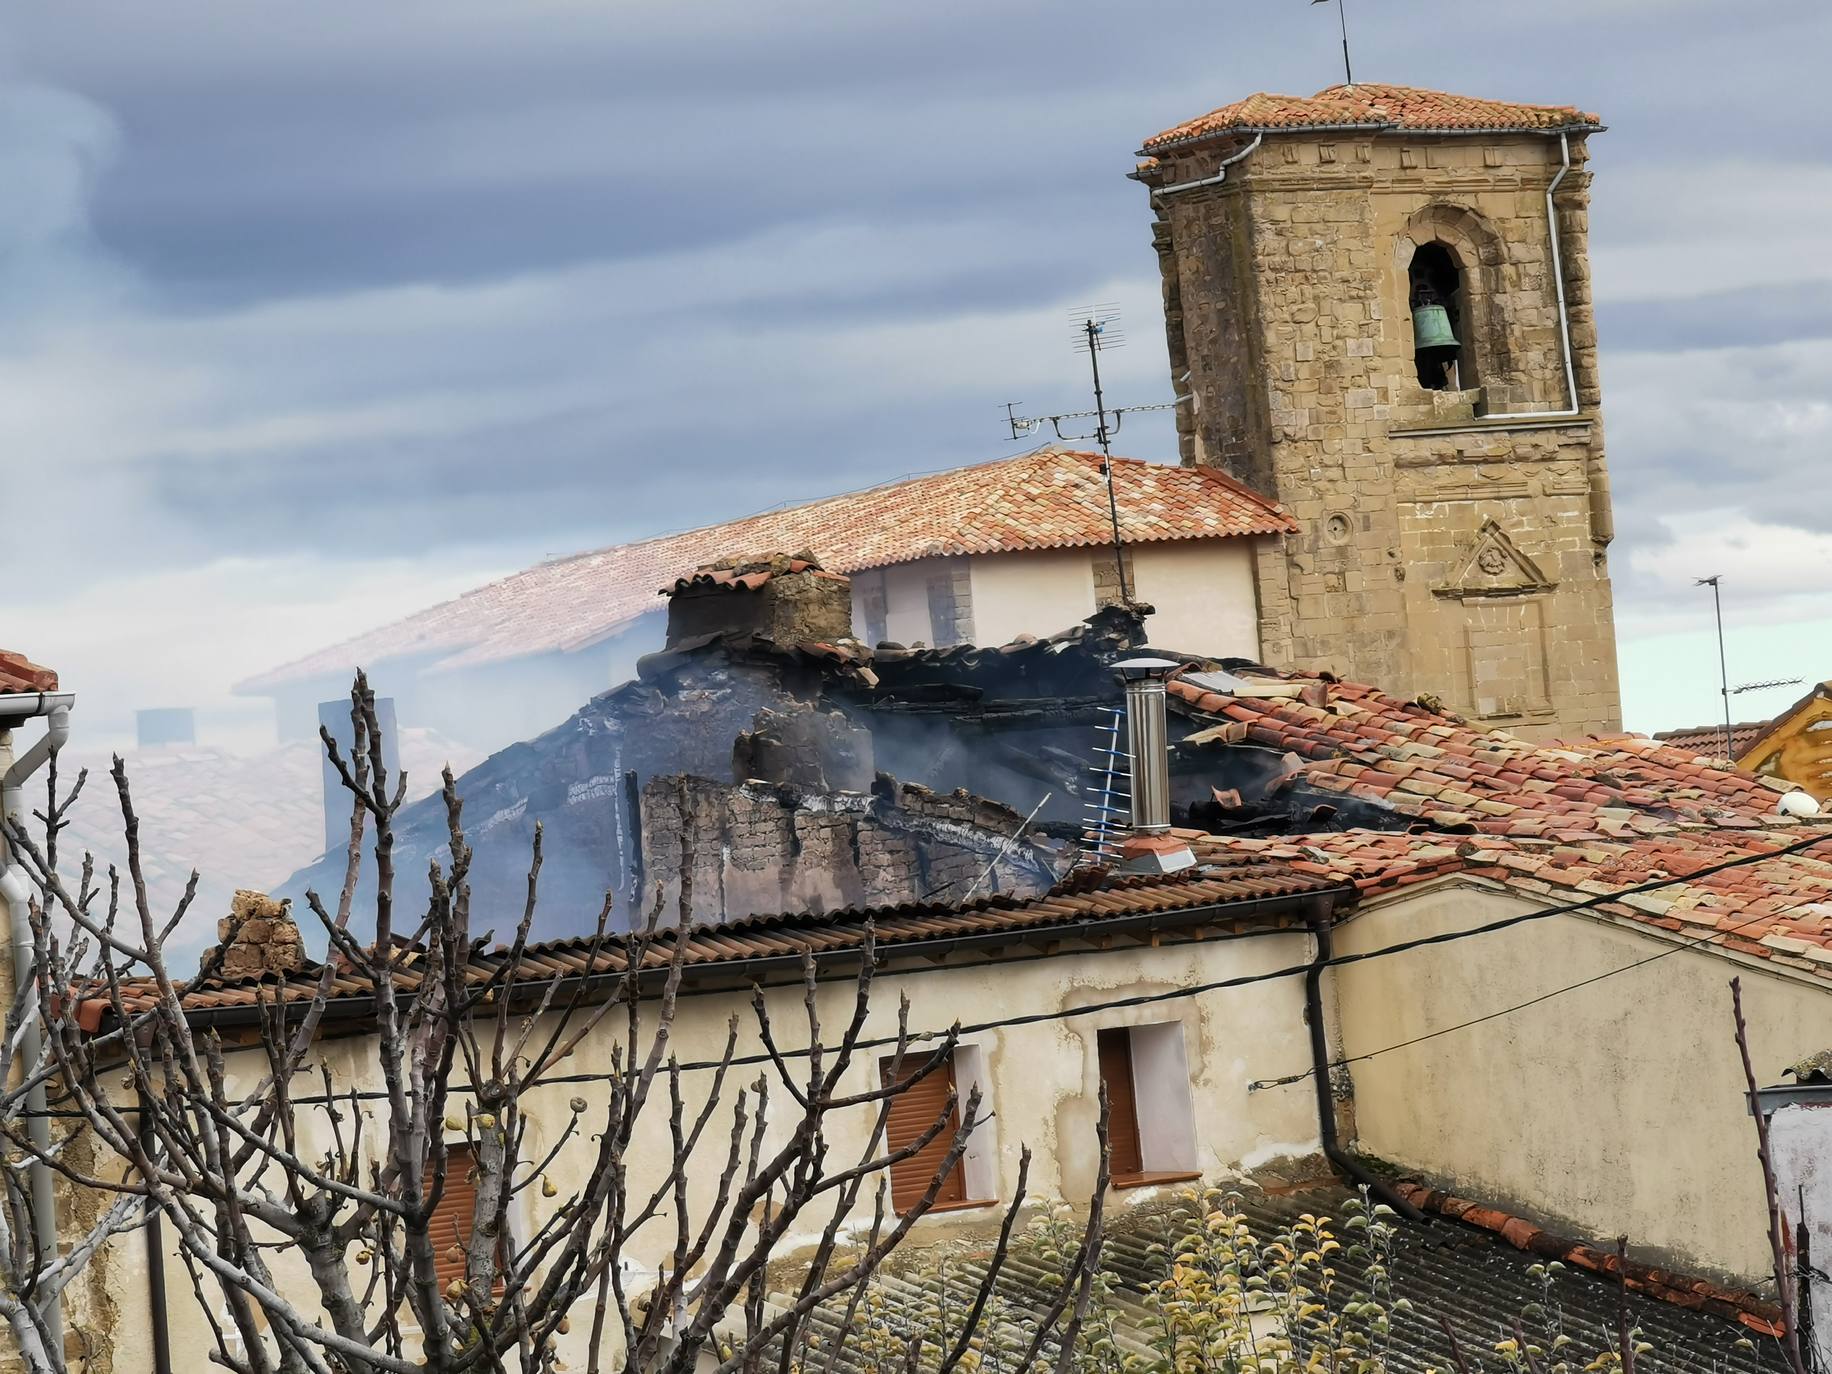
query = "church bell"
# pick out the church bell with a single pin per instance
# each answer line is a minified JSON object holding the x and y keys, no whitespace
{"x":1431,"y":328}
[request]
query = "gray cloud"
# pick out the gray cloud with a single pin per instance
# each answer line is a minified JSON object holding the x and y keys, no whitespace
{"x":461,"y":284}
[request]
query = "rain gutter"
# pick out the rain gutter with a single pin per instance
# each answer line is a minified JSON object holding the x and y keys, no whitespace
{"x":754,"y":967}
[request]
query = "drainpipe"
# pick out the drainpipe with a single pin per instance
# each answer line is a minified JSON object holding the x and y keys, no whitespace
{"x":1320,"y":1061}
{"x":1558,"y":275}
{"x":155,"y":1265}
{"x":1216,"y":180}
{"x":16,"y":890}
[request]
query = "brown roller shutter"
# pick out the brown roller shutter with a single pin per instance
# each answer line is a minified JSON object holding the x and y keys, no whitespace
{"x":450,"y":1224}
{"x":912,"y":1112}
{"x":1122,"y":1104}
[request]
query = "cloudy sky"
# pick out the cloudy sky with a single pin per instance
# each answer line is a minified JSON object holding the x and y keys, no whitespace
{"x":314,"y":314}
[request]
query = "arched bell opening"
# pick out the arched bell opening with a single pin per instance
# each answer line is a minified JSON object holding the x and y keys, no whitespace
{"x":1440,"y":334}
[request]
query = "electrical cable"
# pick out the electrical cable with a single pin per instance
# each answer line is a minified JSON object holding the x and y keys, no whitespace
{"x":915,"y":1038}
{"x":1287,"y":1080}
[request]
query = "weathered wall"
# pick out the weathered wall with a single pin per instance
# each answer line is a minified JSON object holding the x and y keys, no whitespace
{"x":1036,"y":593}
{"x":1445,"y":547}
{"x":1043,"y":1083}
{"x":927,"y":602}
{"x":1201,"y":593}
{"x":1615,"y":1109}
{"x":1800,"y":1138}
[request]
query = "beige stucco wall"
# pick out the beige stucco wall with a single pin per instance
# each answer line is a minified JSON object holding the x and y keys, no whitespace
{"x":1037,"y":593}
{"x":1043,"y":1078}
{"x":1615,"y":1109}
{"x":1202,"y":590}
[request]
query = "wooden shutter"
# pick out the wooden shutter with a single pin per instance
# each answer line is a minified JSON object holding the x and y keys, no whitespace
{"x":450,"y":1224}
{"x":1122,"y":1104}
{"x":912,"y":1112}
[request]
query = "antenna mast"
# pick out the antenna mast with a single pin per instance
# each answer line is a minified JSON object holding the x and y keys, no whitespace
{"x":1717,"y":603}
{"x":1093,"y":330}
{"x":1348,"y":73}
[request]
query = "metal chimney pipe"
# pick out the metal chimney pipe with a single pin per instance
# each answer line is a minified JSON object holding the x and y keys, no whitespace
{"x":1148,"y":741}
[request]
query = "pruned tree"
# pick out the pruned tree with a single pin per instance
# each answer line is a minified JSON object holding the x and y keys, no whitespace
{"x":35,"y":1268}
{"x":306,"y":1209}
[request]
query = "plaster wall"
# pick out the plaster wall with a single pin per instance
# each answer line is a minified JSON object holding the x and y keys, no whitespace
{"x":1202,"y":592}
{"x":1800,"y":1139}
{"x":1612,"y":1110}
{"x":1041,"y":1082}
{"x":1037,"y":593}
{"x":909,"y":617}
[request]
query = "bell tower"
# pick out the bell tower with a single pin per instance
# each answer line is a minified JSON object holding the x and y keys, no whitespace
{"x":1378,"y":302}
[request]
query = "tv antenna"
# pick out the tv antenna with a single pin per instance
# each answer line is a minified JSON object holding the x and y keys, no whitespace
{"x":1096,"y":329}
{"x":1764,"y":686}
{"x":1348,"y":74}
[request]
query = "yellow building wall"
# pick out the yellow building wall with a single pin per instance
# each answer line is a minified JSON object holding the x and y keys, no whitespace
{"x":1615,"y":1109}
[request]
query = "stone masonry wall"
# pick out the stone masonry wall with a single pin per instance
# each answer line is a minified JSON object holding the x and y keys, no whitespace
{"x":757,"y":847}
{"x":1449,"y":545}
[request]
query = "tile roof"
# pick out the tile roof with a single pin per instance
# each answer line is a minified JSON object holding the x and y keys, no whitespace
{"x":1709,"y":739}
{"x":1372,"y":105}
{"x":19,"y":674}
{"x":1479,"y":1280}
{"x":1080,"y":902}
{"x":748,"y":574}
{"x":1052,"y":498}
{"x":1567,"y":821}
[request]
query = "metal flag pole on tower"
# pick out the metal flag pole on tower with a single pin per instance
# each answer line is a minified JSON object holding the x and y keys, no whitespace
{"x":1348,"y":74}
{"x":1717,"y":603}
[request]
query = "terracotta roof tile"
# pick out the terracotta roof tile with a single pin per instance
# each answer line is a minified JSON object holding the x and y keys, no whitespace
{"x":1081,"y":901}
{"x":1582,"y":818}
{"x":1374,"y":106}
{"x":19,"y":674}
{"x":1709,"y":739}
{"x":1050,"y":499}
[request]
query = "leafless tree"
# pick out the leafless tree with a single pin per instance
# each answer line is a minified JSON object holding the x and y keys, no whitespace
{"x":34,"y":1270}
{"x":304,"y":1208}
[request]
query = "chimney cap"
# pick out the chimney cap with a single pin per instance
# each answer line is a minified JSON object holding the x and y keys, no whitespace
{"x":1145,"y":669}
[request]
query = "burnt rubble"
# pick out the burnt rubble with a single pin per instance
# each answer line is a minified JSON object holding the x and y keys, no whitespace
{"x":816,"y":773}
{"x":784,"y":773}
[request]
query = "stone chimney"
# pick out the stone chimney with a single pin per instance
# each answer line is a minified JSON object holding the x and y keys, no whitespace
{"x":787,"y":598}
{"x":259,"y":937}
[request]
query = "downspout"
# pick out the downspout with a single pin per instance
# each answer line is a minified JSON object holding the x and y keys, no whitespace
{"x":14,"y":886}
{"x":1220,"y":176}
{"x":155,"y":1266}
{"x":1320,"y":1075}
{"x":1558,"y":275}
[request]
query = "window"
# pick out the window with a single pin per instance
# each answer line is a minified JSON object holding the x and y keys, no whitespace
{"x":1151,"y":1135}
{"x":972,"y":1181}
{"x":873,"y":607}
{"x":450,"y":1225}
{"x":912,"y":1112}
{"x":1440,"y":332}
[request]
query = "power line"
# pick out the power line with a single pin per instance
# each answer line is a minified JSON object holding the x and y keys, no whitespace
{"x":915,"y":1038}
{"x":1290,"y":1078}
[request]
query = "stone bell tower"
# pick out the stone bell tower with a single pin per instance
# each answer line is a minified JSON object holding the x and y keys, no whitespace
{"x":1378,"y":301}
